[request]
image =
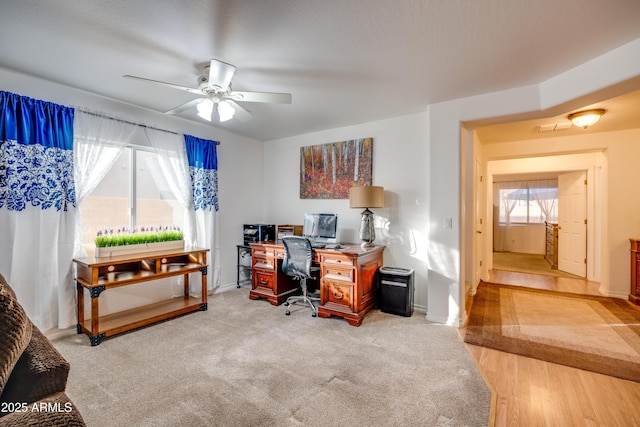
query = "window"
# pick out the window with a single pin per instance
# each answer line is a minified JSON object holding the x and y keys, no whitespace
{"x":528,"y":202}
{"x":133,"y":193}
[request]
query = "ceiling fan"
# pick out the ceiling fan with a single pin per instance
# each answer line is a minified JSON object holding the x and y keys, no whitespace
{"x":214,"y":87}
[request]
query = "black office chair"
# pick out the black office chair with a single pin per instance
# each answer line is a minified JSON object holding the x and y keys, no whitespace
{"x":297,"y":264}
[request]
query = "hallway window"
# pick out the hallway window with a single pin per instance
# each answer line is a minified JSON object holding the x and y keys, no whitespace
{"x":528,"y":202}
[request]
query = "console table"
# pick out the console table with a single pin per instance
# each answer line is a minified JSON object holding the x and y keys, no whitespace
{"x":97,"y":274}
{"x":348,"y":278}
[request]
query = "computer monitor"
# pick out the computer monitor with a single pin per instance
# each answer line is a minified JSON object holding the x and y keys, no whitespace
{"x":320,"y":227}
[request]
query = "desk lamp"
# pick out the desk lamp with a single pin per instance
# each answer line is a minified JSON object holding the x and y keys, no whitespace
{"x":366,"y":197}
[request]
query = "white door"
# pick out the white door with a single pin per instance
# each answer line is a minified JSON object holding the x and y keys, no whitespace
{"x":572,"y":227}
{"x":480,"y":195}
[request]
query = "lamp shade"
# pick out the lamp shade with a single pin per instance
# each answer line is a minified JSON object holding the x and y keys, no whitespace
{"x":366,"y":196}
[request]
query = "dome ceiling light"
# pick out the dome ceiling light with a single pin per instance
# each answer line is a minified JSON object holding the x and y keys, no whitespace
{"x":586,"y":118}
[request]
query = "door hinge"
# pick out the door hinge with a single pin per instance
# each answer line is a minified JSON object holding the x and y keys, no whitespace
{"x":585,"y":182}
{"x":480,"y":263}
{"x":585,"y":222}
{"x":481,"y":177}
{"x":585,"y":260}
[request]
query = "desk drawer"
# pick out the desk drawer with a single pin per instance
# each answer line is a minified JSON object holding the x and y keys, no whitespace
{"x":263,"y":279}
{"x":263,"y":258}
{"x":337,"y":260}
{"x":264,"y":263}
{"x":263,"y":254}
{"x":338,"y":293}
{"x":333,"y":272}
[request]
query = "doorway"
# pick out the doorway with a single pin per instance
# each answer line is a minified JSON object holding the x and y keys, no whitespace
{"x":587,"y":168}
{"x":539,"y":223}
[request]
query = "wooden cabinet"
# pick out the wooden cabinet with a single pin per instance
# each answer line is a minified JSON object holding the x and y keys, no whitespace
{"x":634,"y":293}
{"x":267,"y":279}
{"x":348,"y":282}
{"x":97,"y":274}
{"x":551,"y":248}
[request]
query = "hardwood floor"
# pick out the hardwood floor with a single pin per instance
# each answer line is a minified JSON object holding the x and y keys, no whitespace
{"x":541,"y":281}
{"x":531,"y":392}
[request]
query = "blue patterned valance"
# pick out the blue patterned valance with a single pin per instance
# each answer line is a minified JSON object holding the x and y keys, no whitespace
{"x":203,"y":167}
{"x":36,"y":154}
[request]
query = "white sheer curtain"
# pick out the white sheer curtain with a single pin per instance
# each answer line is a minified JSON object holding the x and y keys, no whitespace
{"x":172,"y":157}
{"x":545,"y":192}
{"x":98,"y":142}
{"x":201,"y":227}
{"x":507,"y":194}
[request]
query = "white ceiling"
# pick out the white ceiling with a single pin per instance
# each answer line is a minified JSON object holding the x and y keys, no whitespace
{"x":344,"y":61}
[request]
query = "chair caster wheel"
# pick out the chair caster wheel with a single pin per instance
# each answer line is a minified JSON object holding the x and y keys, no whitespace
{"x":287,"y":312}
{"x":313,"y":315}
{"x":286,"y":303}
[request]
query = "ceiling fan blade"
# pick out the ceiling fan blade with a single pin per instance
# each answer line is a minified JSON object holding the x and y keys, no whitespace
{"x":269,"y":97}
{"x":184,"y":107}
{"x":220,"y":74}
{"x":171,"y":85}
{"x":240,"y":114}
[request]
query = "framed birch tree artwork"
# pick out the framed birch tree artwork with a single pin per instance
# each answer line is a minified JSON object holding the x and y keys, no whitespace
{"x":327,"y":171}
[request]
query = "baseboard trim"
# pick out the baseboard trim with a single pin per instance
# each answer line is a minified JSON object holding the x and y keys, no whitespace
{"x":610,"y":294}
{"x":449,"y":321}
{"x":53,"y":334}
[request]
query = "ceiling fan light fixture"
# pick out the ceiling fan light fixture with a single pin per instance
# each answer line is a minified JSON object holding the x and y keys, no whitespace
{"x":586,"y":118}
{"x":215,"y":86}
{"x":205,"y":109}
{"x":225,"y":111}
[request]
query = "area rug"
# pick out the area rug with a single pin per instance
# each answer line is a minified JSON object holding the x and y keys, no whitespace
{"x":594,"y":333}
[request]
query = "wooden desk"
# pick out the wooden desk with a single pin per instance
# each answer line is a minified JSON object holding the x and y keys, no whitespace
{"x":94,"y":274}
{"x":348,"y":278}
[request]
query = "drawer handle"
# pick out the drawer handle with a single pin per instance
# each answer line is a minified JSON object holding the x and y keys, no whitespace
{"x":263,"y":281}
{"x":338,"y":295}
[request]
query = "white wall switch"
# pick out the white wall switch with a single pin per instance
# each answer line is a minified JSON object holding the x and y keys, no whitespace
{"x":448,"y":223}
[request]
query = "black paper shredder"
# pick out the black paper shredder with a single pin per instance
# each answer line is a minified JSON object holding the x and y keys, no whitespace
{"x":396,"y":290}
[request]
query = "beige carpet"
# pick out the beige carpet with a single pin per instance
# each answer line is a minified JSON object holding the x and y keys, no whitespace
{"x":527,"y":263}
{"x":589,"y":332}
{"x":244,"y":363}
